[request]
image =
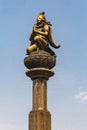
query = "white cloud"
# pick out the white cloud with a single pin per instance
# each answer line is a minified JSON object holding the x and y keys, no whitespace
{"x":81,"y":96}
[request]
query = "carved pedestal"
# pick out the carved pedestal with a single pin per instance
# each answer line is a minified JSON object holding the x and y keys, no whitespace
{"x":39,"y":120}
{"x":39,"y":66}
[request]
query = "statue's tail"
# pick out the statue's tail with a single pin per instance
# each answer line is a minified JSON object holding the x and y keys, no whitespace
{"x":51,"y":39}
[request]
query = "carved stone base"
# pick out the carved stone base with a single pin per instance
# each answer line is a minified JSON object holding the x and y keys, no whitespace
{"x":39,"y":120}
{"x":40,"y":59}
{"x":39,"y":73}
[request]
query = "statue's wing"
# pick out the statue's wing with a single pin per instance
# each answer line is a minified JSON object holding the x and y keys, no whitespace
{"x":50,"y":39}
{"x":32,"y":34}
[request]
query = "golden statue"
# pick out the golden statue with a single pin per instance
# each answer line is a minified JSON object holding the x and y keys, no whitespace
{"x":41,"y":36}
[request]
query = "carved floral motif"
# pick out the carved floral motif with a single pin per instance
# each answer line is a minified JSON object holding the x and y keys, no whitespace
{"x":40,"y":59}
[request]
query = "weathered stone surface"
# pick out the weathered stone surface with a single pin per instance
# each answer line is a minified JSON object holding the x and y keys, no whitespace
{"x":39,"y":73}
{"x":39,"y":66}
{"x":39,"y":120}
{"x":40,"y":59}
{"x":39,"y":95}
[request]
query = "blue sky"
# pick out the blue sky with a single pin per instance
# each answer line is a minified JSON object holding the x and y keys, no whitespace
{"x":67,"y":90}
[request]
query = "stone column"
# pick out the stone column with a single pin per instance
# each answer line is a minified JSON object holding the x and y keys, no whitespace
{"x":39,"y":66}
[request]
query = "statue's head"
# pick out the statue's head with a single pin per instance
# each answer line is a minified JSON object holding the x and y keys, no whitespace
{"x":41,"y":17}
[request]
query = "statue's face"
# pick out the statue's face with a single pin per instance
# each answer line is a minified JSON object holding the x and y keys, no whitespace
{"x":39,"y":19}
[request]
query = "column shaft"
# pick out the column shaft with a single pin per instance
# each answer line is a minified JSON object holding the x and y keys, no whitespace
{"x":39,"y":94}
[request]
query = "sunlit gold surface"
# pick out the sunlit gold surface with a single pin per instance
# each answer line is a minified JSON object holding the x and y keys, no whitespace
{"x":41,"y":35}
